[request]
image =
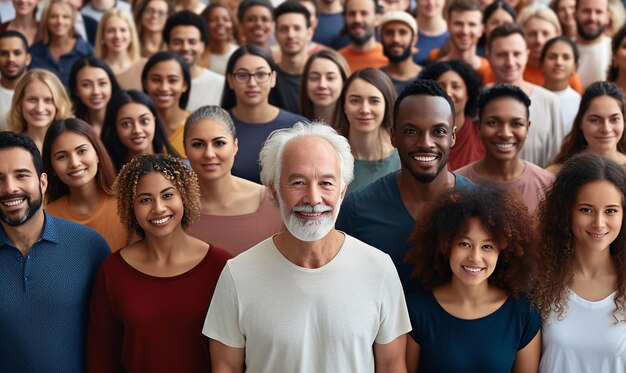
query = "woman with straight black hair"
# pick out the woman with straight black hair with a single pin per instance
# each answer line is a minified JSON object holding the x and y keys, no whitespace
{"x":167,"y":80}
{"x":251,"y":76}
{"x":91,"y":84}
{"x":132,"y":127}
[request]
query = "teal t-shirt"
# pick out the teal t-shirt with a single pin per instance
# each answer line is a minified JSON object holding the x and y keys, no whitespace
{"x":366,"y":172}
{"x":484,"y":345}
{"x":377,"y":216}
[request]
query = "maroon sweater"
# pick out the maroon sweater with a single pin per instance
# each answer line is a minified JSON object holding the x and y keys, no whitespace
{"x":142,"y":323}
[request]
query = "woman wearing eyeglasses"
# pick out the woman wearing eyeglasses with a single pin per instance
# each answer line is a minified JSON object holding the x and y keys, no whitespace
{"x":251,"y":75}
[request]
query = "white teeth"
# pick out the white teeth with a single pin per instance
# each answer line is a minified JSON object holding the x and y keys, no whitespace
{"x":137,"y":140}
{"x":471,"y":269}
{"x":598,"y":235}
{"x":78,"y":173}
{"x":504,"y":146}
{"x":424,"y":159}
{"x":161,"y":221}
{"x":311,"y":214}
{"x":13,"y":203}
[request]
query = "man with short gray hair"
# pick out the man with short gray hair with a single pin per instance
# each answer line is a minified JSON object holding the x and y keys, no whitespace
{"x":309,"y":299}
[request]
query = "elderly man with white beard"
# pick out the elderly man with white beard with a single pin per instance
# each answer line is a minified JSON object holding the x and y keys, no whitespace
{"x":311,"y":298}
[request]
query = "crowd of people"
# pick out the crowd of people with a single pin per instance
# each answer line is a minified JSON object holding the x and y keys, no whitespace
{"x":304,"y":186}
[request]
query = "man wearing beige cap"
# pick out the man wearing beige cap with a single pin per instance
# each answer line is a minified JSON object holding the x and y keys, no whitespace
{"x":398,"y":35}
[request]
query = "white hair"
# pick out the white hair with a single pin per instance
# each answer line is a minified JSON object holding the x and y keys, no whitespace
{"x":271,"y":154}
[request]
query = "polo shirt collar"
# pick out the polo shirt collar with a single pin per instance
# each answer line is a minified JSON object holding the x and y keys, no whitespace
{"x":51,"y":232}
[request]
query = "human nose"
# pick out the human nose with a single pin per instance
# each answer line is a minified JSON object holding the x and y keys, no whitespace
{"x":475,"y":254}
{"x":365,"y":107}
{"x":209,"y":152}
{"x":599,"y":221}
{"x":136,"y":128}
{"x":426,"y":141}
{"x":505,"y":131}
{"x":312,"y":196}
{"x":8,"y":185}
{"x":74,"y":160}
{"x":158,"y":206}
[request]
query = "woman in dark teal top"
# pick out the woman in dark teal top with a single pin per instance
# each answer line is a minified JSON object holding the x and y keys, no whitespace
{"x":472,"y":261}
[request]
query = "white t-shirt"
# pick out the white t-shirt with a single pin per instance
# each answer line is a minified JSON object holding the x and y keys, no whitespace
{"x":587,"y":340}
{"x":206,"y":89}
{"x":594,"y":61}
{"x":294,"y":319}
{"x":546,"y":128}
{"x":218,"y":62}
{"x":6,"y":96}
{"x":569,"y":101}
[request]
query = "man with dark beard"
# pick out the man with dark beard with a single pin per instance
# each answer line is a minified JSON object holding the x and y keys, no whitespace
{"x":398,"y":35}
{"x":310,"y":298}
{"x":14,"y":60}
{"x":361,"y":18}
{"x":46,"y":269}
{"x":384,"y":213}
{"x":594,"y":46}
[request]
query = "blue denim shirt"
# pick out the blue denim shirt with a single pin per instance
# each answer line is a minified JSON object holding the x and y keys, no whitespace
{"x":42,"y":59}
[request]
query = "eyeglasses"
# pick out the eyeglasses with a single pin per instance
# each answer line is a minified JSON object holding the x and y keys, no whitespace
{"x":154,"y":12}
{"x":259,"y":76}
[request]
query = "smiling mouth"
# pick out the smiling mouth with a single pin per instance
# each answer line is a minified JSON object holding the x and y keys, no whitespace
{"x":424,"y":158}
{"x":598,"y":235}
{"x":161,"y":221}
{"x":77,"y":173}
{"x":504,"y":146}
{"x":472,"y":269}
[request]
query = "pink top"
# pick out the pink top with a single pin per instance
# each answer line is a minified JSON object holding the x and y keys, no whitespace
{"x":238,"y":233}
{"x":531,"y":185}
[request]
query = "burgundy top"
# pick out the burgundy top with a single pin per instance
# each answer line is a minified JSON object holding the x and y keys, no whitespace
{"x":467,"y":148}
{"x":143,"y":323}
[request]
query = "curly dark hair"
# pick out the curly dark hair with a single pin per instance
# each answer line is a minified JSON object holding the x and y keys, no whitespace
{"x":554,"y":262}
{"x":173,"y":169}
{"x":502,"y":214}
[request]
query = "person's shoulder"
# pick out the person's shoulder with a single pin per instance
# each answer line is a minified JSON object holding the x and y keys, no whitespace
{"x":72,"y":233}
{"x":212,"y":76}
{"x":538,"y":171}
{"x":380,"y":189}
{"x":288,"y":116}
{"x":466,"y":170}
{"x":253,"y":255}
{"x":461,"y":182}
{"x":540,"y":92}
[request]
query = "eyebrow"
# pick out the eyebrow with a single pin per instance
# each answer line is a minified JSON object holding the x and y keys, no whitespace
{"x":591,"y":205}
{"x":300,"y":176}
{"x":161,"y":192}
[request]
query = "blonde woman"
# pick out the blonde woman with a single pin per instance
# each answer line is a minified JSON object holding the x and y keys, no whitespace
{"x":39,"y":100}
{"x":60,"y":46}
{"x":150,"y":17}
{"x":118,"y":45}
{"x":541,"y":24}
{"x":24,"y":21}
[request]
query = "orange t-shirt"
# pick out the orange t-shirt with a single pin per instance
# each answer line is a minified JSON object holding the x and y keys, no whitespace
{"x":536,"y":76}
{"x":103,"y":219}
{"x":361,"y":59}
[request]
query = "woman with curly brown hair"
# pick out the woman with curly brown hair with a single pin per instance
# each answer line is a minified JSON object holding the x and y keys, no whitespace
{"x":471,"y":258}
{"x":150,"y":299}
{"x":581,"y":268}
